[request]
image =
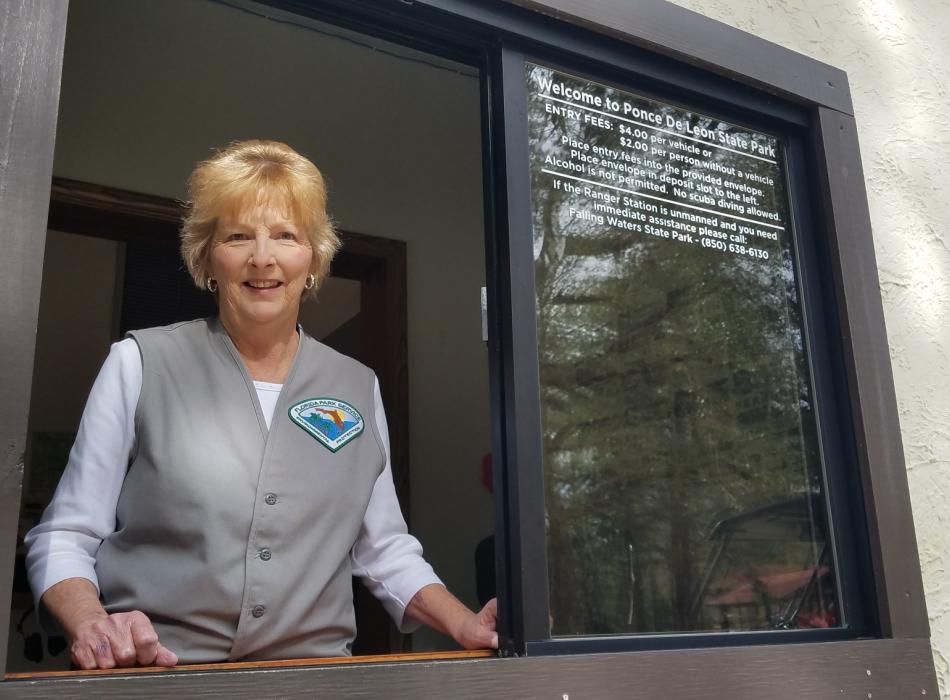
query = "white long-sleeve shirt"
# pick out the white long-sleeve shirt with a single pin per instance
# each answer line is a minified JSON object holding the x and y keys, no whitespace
{"x":83,"y":510}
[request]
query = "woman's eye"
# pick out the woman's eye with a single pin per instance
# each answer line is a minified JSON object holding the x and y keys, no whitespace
{"x":236,"y":237}
{"x":288,"y":236}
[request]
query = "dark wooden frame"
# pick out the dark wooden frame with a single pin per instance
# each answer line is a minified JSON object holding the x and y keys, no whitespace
{"x":32,"y":35}
{"x":528,"y":531}
{"x":898,"y":664}
{"x":822,"y":92}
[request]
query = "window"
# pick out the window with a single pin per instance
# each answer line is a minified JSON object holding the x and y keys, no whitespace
{"x":403,"y":293}
{"x":683,"y":487}
{"x":837,"y":484}
{"x":688,"y":481}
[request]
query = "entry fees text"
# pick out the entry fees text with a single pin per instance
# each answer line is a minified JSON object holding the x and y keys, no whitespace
{"x":662,"y":182}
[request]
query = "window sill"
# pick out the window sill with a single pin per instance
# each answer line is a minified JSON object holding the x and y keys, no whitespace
{"x":884,"y":668}
{"x":261,"y":665}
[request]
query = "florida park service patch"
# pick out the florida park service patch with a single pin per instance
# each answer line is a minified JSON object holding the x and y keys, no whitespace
{"x":332,"y":422}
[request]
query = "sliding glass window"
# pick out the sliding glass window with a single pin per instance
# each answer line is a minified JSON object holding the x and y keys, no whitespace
{"x":683,"y":481}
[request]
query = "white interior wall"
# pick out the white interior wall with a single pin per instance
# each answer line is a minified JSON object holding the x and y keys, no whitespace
{"x":74,"y":267}
{"x":151,"y":88}
{"x":338,"y":300}
{"x":897,"y":56}
{"x":77,"y":301}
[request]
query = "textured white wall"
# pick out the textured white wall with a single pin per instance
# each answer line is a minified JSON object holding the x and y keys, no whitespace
{"x":897,"y":56}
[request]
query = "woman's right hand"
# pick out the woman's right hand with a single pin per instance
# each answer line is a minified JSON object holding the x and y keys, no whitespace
{"x":119,"y":639}
{"x":98,"y":639}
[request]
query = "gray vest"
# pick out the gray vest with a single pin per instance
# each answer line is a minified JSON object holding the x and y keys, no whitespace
{"x":233,"y":539}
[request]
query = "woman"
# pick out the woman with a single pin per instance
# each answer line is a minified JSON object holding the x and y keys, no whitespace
{"x":230,"y":475}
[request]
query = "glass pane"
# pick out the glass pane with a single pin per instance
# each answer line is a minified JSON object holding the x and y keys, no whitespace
{"x":683,"y":483}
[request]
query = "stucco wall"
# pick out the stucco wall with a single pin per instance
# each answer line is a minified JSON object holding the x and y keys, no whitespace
{"x":897,"y":56}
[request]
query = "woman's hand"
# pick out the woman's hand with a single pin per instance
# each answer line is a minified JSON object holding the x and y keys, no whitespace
{"x":120,"y":639}
{"x":478,"y":631}
{"x":98,"y":639}
{"x":436,"y":607}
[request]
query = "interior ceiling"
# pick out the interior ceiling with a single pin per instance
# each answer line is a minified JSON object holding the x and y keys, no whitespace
{"x":331,"y":31}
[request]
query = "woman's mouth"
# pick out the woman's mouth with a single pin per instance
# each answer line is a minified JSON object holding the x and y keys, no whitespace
{"x":262,"y":284}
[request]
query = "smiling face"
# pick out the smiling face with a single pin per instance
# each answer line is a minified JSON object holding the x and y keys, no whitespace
{"x":260,"y":259}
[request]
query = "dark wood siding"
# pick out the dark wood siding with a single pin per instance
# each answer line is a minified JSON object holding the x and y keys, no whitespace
{"x":32,"y":33}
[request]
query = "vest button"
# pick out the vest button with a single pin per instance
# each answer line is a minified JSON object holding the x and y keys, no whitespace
{"x":270,"y":499}
{"x":258,"y":611}
{"x":265,"y":554}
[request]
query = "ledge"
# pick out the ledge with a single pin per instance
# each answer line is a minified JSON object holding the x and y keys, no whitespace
{"x":883,"y":668}
{"x":257,"y":665}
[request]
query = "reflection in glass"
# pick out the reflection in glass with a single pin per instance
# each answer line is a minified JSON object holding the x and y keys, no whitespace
{"x":683,"y":485}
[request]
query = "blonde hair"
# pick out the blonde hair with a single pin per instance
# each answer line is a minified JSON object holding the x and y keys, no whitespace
{"x":247,"y":173}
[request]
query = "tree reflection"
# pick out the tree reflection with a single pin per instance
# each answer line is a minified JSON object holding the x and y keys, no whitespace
{"x":674,"y":397}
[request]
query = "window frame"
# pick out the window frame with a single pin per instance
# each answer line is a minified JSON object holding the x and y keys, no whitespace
{"x":840,"y":495}
{"x":898,"y":663}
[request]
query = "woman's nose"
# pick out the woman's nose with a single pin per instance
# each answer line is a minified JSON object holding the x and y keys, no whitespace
{"x":262,"y":255}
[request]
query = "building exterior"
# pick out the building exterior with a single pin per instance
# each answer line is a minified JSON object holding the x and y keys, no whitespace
{"x":896,"y":57}
{"x":854,"y":618}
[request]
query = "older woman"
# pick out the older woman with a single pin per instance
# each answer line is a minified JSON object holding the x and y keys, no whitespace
{"x":230,"y":475}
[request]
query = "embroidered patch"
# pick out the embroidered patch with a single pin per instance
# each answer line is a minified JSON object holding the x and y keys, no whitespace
{"x":331,"y":421}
